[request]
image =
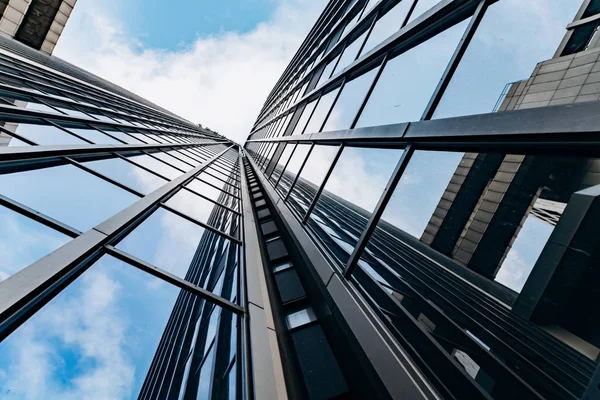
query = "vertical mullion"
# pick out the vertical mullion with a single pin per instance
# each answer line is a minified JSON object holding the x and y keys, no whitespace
{"x":455,"y":60}
{"x":378,"y":211}
{"x":327,"y":175}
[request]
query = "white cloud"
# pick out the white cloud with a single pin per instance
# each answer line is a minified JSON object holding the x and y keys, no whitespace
{"x":220,"y":81}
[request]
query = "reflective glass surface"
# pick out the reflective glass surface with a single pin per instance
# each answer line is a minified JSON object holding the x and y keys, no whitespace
{"x":311,"y":177}
{"x":350,"y":53}
{"x":350,"y":196}
{"x":320,"y":113}
{"x":327,"y":71}
{"x":422,"y":7}
{"x":24,"y":241}
{"x":408,"y":80}
{"x":94,"y":136}
{"x":283,"y":159}
{"x":306,"y":113}
{"x":95,"y":339}
{"x":509,"y":42}
{"x":127,"y":173}
{"x":387,"y":25}
{"x":208,"y":191}
{"x":70,"y":195}
{"x":156,"y":166}
{"x":348,"y":103}
{"x":173,"y":161}
{"x":46,"y":135}
{"x":420,"y":189}
{"x":165,"y":240}
{"x":293,"y":167}
{"x":195,"y":206}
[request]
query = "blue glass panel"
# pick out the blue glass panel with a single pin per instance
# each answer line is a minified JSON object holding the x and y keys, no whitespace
{"x":408,"y":80}
{"x":95,"y":339}
{"x":24,"y":241}
{"x":128,"y":174}
{"x":70,"y":195}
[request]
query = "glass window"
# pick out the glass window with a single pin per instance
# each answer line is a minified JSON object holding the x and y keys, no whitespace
{"x":46,"y":135}
{"x":293,"y":167}
{"x":32,"y":105}
{"x":387,"y":25}
{"x":421,"y":7}
{"x":97,"y":338}
{"x":348,"y":103}
{"x":195,"y":206}
{"x":506,"y":48}
{"x":156,"y":166}
{"x":183,"y":157}
{"x":420,"y":189}
{"x":327,"y":71}
{"x":14,"y":142}
{"x":408,"y":80}
{"x":94,"y":136}
{"x":70,"y":195}
{"x":359,"y":178}
{"x":24,"y":241}
{"x":350,"y":53}
{"x":321,"y":111}
{"x":306,"y":113}
{"x":301,"y":318}
{"x":283,"y":159}
{"x":128,"y":174}
{"x":121,"y":135}
{"x":208,"y":191}
{"x":311,"y":177}
{"x":171,"y":242}
{"x":172,"y":161}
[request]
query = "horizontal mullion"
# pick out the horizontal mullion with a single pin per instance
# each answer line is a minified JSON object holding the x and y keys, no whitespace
{"x":40,"y":151}
{"x":39,"y":217}
{"x":172,"y":279}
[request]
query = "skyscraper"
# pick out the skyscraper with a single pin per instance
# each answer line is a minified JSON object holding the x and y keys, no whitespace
{"x":433,"y":163}
{"x":414,"y":215}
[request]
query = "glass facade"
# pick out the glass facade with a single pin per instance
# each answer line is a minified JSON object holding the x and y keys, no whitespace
{"x":414,"y":215}
{"x":445,"y":177}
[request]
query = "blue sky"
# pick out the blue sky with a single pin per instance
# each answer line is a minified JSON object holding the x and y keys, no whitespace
{"x":186,"y":20}
{"x":211,"y":62}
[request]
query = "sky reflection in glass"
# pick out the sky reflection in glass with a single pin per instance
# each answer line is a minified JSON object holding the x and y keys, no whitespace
{"x":96,"y":339}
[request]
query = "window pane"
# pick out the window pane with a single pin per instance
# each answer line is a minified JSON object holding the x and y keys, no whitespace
{"x":408,"y":81}
{"x":387,"y":25}
{"x":350,"y":53}
{"x":196,"y":207}
{"x":506,"y":48}
{"x":293,"y":167}
{"x":156,"y":166}
{"x":422,"y":7}
{"x":320,"y":113}
{"x":70,"y":195}
{"x":170,"y":242}
{"x":128,"y":174}
{"x":95,"y":339}
{"x":285,"y":156}
{"x":306,"y":113}
{"x":94,"y":136}
{"x":172,"y":161}
{"x":121,"y":135}
{"x":327,"y":71}
{"x":420,"y":190}
{"x":46,"y":135}
{"x":357,"y":181}
{"x":311,"y":177}
{"x":24,"y":241}
{"x":207,"y":190}
{"x":348,"y":103}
